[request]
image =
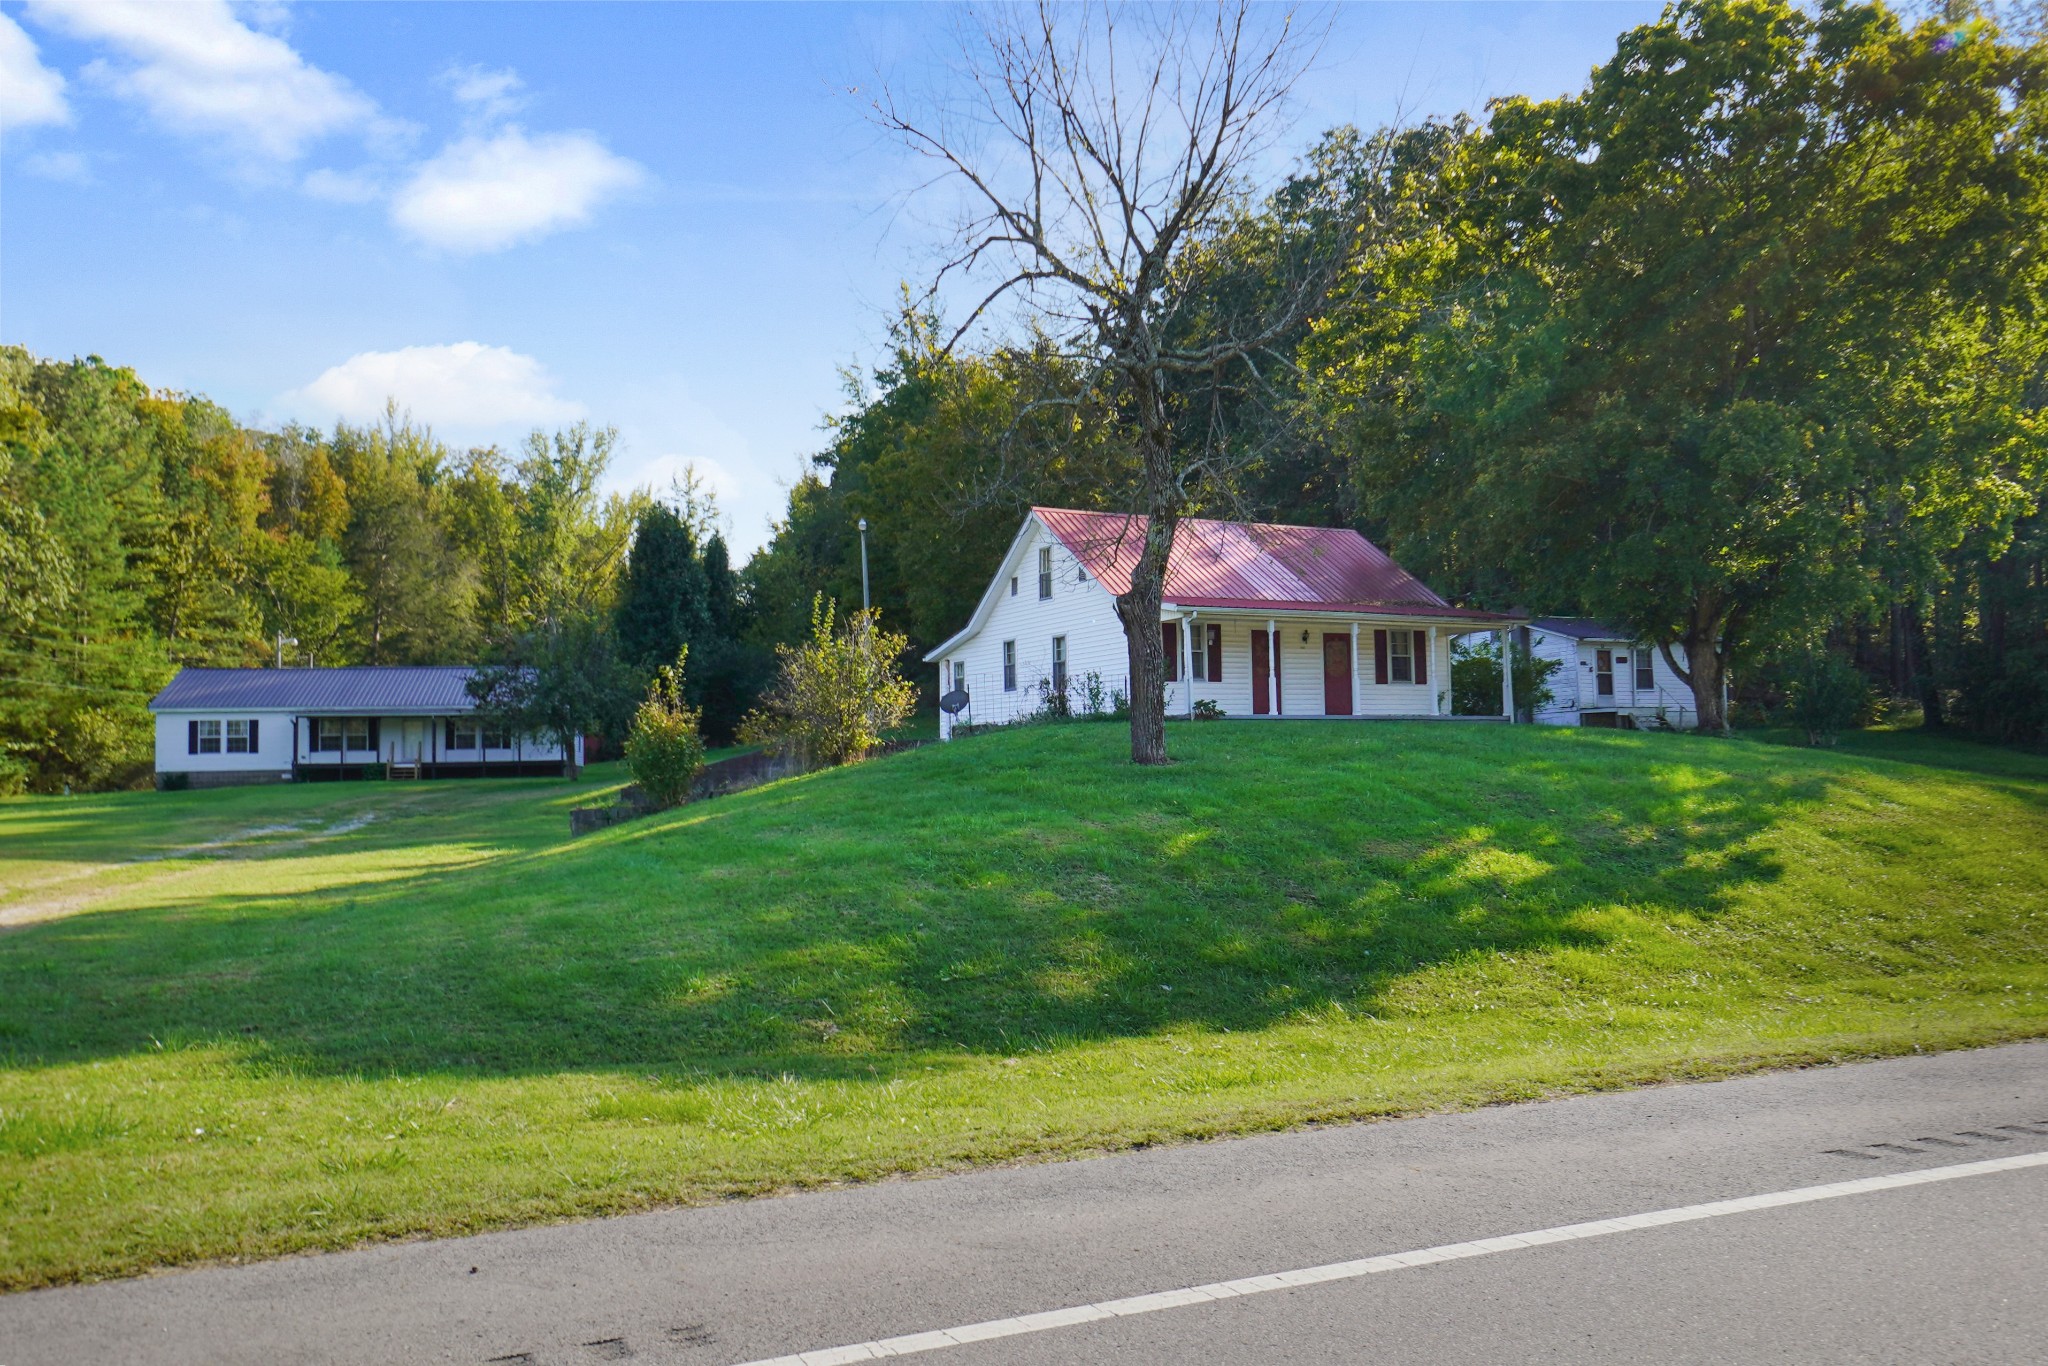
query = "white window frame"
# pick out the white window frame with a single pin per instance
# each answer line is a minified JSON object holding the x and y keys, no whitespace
{"x":1059,"y":664}
{"x":1044,"y":573}
{"x":228,"y":745}
{"x":1644,"y":663}
{"x":1400,"y":656}
{"x":210,"y":741}
{"x":464,"y":736}
{"x":1009,"y":666}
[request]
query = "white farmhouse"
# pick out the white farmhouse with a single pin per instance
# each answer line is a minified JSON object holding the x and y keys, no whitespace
{"x":1257,"y":620}
{"x":1606,"y":678}
{"x":217,"y":727}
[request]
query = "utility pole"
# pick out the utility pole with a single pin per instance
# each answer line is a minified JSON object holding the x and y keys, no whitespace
{"x":863,"y":564}
{"x":282,"y":641}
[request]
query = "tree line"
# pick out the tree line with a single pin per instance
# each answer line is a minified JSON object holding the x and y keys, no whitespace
{"x":141,"y":530}
{"x":1742,"y":347}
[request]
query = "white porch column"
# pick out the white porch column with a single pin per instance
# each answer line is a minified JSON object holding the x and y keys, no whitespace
{"x":1187,"y":660}
{"x":1436,"y":683}
{"x":1507,"y":675}
{"x":1272,"y":667}
{"x":1357,"y":693}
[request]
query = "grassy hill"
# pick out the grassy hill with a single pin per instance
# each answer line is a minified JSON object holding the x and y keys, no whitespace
{"x":234,"y":1024}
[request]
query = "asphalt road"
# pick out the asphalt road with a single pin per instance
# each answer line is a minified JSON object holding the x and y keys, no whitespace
{"x":1954,"y":1270}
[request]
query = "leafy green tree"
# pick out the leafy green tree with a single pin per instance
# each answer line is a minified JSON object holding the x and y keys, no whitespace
{"x":561,"y":679}
{"x":1667,"y":348}
{"x":416,"y":586}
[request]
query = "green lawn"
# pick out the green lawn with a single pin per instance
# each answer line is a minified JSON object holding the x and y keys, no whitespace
{"x":235,"y":1024}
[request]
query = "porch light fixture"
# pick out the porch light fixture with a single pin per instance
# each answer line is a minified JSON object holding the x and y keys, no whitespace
{"x":1304,"y":635}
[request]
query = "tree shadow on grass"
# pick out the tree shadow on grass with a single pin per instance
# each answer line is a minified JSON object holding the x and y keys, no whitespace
{"x":981,"y":899}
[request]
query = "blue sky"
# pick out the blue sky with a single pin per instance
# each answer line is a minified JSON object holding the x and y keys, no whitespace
{"x":670,"y":218}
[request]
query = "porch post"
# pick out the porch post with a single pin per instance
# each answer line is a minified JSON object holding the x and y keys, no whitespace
{"x":1436,"y":690}
{"x":1507,"y":675}
{"x":1187,"y":656}
{"x":1272,"y":667}
{"x":1357,"y":694}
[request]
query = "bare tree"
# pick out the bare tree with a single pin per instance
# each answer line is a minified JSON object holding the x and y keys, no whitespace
{"x":1105,"y":158}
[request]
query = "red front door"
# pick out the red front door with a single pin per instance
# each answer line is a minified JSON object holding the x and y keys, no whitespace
{"x":1336,"y":674}
{"x":1262,"y":674}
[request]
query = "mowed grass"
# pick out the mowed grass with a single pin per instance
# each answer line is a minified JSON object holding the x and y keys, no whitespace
{"x":421,"y":1009}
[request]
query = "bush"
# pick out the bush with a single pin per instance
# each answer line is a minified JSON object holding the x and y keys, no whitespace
{"x":839,"y":692}
{"x":1475,"y":679}
{"x":664,"y":748}
{"x":1824,"y":696}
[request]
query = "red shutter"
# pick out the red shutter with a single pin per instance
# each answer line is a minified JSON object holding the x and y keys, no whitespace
{"x":1215,"y":654}
{"x":1169,"y":640}
{"x":1379,"y":656}
{"x":1422,"y":656}
{"x":191,"y":737}
{"x":252,"y":735}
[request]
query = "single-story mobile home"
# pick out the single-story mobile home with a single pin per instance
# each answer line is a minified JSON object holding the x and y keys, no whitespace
{"x":1608,"y":678}
{"x":1257,"y":620}
{"x":216,"y":727}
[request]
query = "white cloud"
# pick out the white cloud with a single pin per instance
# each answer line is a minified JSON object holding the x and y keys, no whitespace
{"x":69,"y":167}
{"x":29,"y":91}
{"x":343,"y":187}
{"x":465,"y":386}
{"x":487,"y":193}
{"x":491,"y":95}
{"x":201,"y":71}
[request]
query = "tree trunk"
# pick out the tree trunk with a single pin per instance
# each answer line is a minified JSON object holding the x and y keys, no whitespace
{"x":1705,"y":670}
{"x":1708,"y":673}
{"x":1138,"y":609}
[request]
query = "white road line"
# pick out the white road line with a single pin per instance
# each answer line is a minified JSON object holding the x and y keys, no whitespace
{"x":913,"y":1343}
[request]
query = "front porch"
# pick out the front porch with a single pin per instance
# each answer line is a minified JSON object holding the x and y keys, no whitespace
{"x":1317,"y":665}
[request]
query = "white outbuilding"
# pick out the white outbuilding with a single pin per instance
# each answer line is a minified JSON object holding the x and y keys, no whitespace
{"x":1257,"y":620}
{"x":1606,"y":677}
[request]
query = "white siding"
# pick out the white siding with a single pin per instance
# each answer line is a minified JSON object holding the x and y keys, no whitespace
{"x":274,"y":741}
{"x":273,"y":752}
{"x":1576,"y":685}
{"x":1079,"y":609}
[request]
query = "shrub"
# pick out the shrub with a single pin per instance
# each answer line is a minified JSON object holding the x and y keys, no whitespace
{"x":1824,"y":696}
{"x":1207,"y":710}
{"x":1475,"y":679}
{"x":664,"y":748}
{"x":839,"y":691}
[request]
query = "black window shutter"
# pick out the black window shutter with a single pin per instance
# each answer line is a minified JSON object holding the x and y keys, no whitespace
{"x":252,"y":735}
{"x":1422,"y":656}
{"x":1379,"y":656}
{"x":191,"y":737}
{"x":373,"y":734}
{"x":449,"y":738}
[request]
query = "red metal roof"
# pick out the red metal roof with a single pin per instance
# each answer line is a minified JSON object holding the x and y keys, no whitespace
{"x":1252,"y":565}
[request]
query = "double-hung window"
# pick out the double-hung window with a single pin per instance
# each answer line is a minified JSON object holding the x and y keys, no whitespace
{"x":1059,"y":664}
{"x":209,"y":737}
{"x":1044,"y":571}
{"x":960,"y":675}
{"x":1009,"y":666}
{"x":239,"y":735}
{"x":1401,"y":656}
{"x":1646,"y":669}
{"x":497,"y":739}
{"x":1013,"y":585}
{"x":462,"y":735}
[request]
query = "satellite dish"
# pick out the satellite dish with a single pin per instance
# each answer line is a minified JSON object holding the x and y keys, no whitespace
{"x":954,"y":702}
